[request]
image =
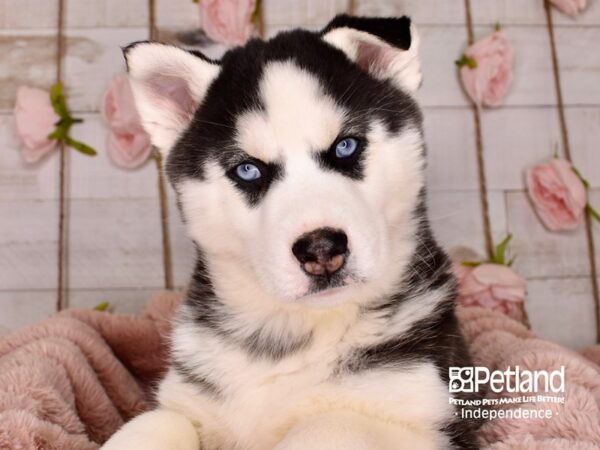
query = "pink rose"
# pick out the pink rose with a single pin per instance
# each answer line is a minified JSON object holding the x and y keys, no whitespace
{"x":491,"y":286}
{"x":557,"y":193}
{"x":128,"y":143}
{"x":35,"y":119}
{"x":228,"y":21}
{"x":569,"y":7}
{"x":487,"y":82}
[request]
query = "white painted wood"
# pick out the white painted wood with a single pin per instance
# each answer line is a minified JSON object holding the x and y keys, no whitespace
{"x":451,"y":155}
{"x":19,"y":309}
{"x":296,"y":13}
{"x":584,"y":135}
{"x":515,"y":139}
{"x":457,"y":222}
{"x":115,"y":244}
{"x":28,"y":14}
{"x":106,"y":13}
{"x":93,"y":57}
{"x":27,"y":57}
{"x":423,"y":12}
{"x":121,"y":301}
{"x":20,"y":180}
{"x":541,"y":253}
{"x":562,"y":310}
{"x":579,"y":62}
{"x":533,"y":82}
{"x":589,"y":16}
{"x":440,"y":48}
{"x":178,"y":14}
{"x":28,"y":244}
{"x":99,"y":177}
{"x":508,"y":12}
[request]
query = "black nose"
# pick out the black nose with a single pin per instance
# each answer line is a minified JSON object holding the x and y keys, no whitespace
{"x":322,"y":251}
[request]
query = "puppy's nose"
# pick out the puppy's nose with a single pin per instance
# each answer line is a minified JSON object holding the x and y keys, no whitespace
{"x":321,"y":251}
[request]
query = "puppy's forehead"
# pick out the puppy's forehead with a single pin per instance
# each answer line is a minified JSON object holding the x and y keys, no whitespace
{"x":296,"y":114}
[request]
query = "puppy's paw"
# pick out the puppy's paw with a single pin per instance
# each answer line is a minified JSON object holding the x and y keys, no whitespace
{"x":155,"y":430}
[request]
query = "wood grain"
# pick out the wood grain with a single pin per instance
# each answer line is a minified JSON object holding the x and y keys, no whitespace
{"x":541,"y":253}
{"x":23,"y":308}
{"x":28,"y":14}
{"x":28,"y":244}
{"x":99,"y":177}
{"x":27,"y":57}
{"x":423,"y":12}
{"x":515,"y":139}
{"x":18,"y":179}
{"x":93,"y":57}
{"x":114,"y":244}
{"x":579,"y":61}
{"x":562,"y":310}
{"x":106,"y":13}
{"x":449,"y":136}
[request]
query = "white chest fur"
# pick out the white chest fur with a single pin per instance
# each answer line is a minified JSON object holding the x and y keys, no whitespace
{"x":261,"y":400}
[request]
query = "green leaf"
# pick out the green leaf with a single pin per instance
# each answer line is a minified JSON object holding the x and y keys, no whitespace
{"x":103,"y":306}
{"x":57,"y":134}
{"x":512,"y":261}
{"x":592,"y":212}
{"x":470,"y":263}
{"x":57,"y":98}
{"x":500,"y":250}
{"x":195,"y":1}
{"x":585,"y":182}
{"x":80,"y":146}
{"x":497,"y":26}
{"x":466,"y":61}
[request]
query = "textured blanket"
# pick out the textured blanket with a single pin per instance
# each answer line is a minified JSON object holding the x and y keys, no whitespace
{"x":70,"y":381}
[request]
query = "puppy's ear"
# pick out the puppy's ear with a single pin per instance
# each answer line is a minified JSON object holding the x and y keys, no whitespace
{"x":386,"y":48}
{"x":168,"y":84}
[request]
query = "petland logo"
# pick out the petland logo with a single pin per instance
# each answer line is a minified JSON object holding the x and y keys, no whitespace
{"x":474,"y":379}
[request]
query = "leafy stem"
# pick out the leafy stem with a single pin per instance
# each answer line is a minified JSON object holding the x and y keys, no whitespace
{"x":499,"y":256}
{"x":590,"y":210}
{"x":63,"y":126}
{"x":466,"y":60}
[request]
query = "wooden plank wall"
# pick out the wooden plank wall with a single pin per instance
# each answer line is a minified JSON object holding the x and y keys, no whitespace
{"x":114,"y":244}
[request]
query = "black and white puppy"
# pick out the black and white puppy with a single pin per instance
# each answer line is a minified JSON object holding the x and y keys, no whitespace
{"x":321,"y":311}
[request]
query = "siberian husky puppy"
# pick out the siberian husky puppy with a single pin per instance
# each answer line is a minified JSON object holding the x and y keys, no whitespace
{"x":320,"y":314}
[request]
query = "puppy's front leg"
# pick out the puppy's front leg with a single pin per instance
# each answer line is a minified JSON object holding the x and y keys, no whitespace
{"x":351,"y":431}
{"x":155,"y":430}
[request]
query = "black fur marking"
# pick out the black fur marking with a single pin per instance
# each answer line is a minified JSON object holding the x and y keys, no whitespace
{"x":436,"y":338}
{"x":197,"y":380}
{"x":261,"y":346}
{"x":352,"y":167}
{"x":393,"y":30}
{"x":209,"y":312}
{"x":211,"y":136}
{"x":254,"y":190}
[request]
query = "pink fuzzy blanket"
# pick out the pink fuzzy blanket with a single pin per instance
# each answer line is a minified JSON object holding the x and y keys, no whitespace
{"x":70,"y":381}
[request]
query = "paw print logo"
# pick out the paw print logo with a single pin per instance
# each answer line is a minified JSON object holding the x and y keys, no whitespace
{"x":461,"y":379}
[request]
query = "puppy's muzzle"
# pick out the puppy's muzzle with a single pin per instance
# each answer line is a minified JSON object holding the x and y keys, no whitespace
{"x":321,"y":252}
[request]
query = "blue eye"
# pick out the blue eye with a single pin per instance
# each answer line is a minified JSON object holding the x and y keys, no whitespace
{"x":346,"y":147}
{"x":247,"y":172}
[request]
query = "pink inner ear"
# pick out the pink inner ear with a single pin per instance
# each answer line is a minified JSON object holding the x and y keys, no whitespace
{"x":373,"y":57}
{"x":174,"y":94}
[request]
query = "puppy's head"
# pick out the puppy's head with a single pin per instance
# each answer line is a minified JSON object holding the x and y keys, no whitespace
{"x":298,"y":161}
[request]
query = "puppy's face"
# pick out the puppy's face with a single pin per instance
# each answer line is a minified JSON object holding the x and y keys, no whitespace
{"x":298,"y":161}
